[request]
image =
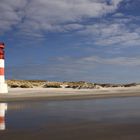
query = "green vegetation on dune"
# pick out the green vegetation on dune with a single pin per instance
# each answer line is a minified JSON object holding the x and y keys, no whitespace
{"x":49,"y":84}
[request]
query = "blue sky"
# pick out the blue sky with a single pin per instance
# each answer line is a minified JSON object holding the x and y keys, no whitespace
{"x":72,"y":40}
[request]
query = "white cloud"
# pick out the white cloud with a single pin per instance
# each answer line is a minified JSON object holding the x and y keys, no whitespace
{"x":118,"y":15}
{"x":11,"y":13}
{"x":120,"y":61}
{"x":120,"y":31}
{"x":92,"y":61}
{"x":48,"y":15}
{"x":36,"y":17}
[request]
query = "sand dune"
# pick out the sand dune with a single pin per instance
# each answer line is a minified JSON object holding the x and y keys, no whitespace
{"x":20,"y":94}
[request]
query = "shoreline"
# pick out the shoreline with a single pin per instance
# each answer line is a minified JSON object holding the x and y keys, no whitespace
{"x":53,"y":94}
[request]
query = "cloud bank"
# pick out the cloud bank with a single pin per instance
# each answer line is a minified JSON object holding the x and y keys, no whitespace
{"x":39,"y":16}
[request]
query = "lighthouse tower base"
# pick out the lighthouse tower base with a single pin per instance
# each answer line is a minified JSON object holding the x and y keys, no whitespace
{"x":3,"y":88}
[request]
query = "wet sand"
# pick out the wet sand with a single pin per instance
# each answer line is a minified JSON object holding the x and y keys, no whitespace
{"x":104,"y":119}
{"x":18,"y":94}
{"x":82,"y":131}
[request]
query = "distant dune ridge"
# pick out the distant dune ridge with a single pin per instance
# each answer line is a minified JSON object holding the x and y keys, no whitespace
{"x":50,"y":84}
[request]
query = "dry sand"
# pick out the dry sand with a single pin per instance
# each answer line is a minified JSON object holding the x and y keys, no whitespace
{"x":19,"y":94}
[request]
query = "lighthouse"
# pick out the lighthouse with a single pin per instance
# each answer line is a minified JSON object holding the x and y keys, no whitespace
{"x":3,"y":85}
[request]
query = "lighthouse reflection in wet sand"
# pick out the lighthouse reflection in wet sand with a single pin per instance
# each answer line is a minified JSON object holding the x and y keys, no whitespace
{"x":3,"y":85}
{"x":3,"y":109}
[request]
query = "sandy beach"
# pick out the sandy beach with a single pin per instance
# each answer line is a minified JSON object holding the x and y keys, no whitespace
{"x":20,"y":94}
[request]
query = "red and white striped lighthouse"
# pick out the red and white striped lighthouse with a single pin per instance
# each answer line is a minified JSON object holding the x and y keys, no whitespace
{"x":3,"y":108}
{"x":3,"y":85}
